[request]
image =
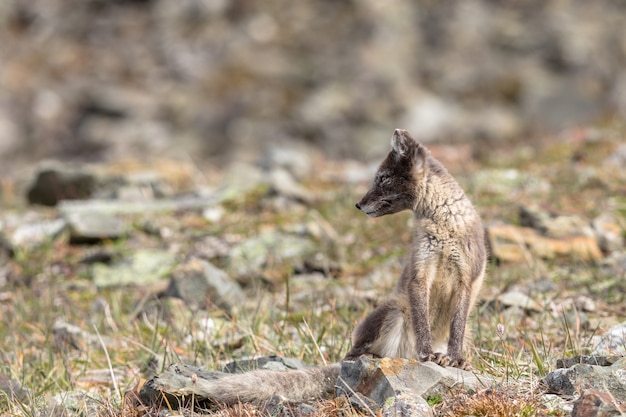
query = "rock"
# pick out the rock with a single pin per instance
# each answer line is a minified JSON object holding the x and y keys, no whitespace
{"x":520,"y":244}
{"x":112,"y":207}
{"x":570,"y":381}
{"x":270,"y":363}
{"x":296,"y":161}
{"x":380,"y":379}
{"x":201,"y":284}
{"x":56,"y":182}
{"x":508,"y":182}
{"x":143,"y":267}
{"x":74,"y":403}
{"x":553,"y":225}
{"x":91,"y":227}
{"x":609,"y":233}
{"x":249,"y":258}
{"x":612,"y":342}
{"x":13,"y":389}
{"x":594,"y":403}
{"x":239,"y":180}
{"x":69,"y":336}
{"x":518,"y":299}
{"x":587,"y":360}
{"x":31,"y":235}
{"x":214,"y":214}
{"x":556,"y":405}
{"x":405,"y":405}
{"x":283,"y":184}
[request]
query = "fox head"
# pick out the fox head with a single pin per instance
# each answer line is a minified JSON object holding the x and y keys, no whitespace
{"x":397,"y":180}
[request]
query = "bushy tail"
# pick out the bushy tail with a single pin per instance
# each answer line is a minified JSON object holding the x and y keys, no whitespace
{"x":249,"y":387}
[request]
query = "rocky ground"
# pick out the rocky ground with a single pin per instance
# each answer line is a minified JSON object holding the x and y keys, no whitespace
{"x":109,"y":273}
{"x":101,"y":79}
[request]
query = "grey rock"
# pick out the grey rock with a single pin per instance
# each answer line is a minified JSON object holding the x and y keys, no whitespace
{"x":282,"y":183}
{"x":609,"y":233}
{"x":201,"y":284}
{"x":594,"y":403}
{"x":248,"y":258}
{"x":70,"y":336}
{"x":270,"y":362}
{"x":13,"y":389}
{"x":518,"y":299}
{"x":55,"y":182}
{"x":404,"y":405}
{"x":135,"y":207}
{"x":556,"y":404}
{"x":74,"y":403}
{"x":610,"y":343}
{"x":569,"y":381}
{"x":508,"y":182}
{"x":143,"y":267}
{"x":30,"y":235}
{"x":587,"y":360}
{"x":240,"y":179}
{"x":89,"y":227}
{"x":380,"y":379}
{"x":552,"y":224}
{"x":296,"y":161}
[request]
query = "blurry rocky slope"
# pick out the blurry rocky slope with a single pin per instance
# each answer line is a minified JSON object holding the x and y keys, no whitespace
{"x":100,"y":80}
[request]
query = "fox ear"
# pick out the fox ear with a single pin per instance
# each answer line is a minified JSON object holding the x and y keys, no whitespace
{"x":420,"y":155}
{"x":401,"y":142}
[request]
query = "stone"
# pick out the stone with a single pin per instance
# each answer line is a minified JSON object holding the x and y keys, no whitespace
{"x":55,"y":182}
{"x":518,"y":299}
{"x":91,"y":227}
{"x":270,"y":362}
{"x":405,"y":405}
{"x":553,"y":225}
{"x":594,"y":403}
{"x":570,"y":381}
{"x":612,"y":342}
{"x":380,"y":379}
{"x":511,"y":243}
{"x":112,"y":207}
{"x":69,"y":336}
{"x":609,"y":233}
{"x":248,"y":259}
{"x":74,"y":403}
{"x":31,"y":235}
{"x":296,"y":161}
{"x":201,"y":284}
{"x":587,"y":360}
{"x":508,"y":182}
{"x":13,"y":389}
{"x":283,"y":184}
{"x":143,"y":267}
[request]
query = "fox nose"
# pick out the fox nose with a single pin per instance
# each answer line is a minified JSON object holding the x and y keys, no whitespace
{"x":357,"y":205}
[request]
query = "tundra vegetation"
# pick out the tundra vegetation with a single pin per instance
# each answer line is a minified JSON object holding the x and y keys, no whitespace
{"x":307,"y":266}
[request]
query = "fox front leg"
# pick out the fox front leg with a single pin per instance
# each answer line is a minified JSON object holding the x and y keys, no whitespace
{"x":418,"y":299}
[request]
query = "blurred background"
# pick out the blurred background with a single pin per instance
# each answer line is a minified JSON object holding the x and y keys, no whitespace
{"x":98,"y":80}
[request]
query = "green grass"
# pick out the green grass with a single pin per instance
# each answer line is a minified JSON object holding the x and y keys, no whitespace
{"x":135,"y":334}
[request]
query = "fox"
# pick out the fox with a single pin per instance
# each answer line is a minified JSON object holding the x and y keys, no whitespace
{"x":426,"y":316}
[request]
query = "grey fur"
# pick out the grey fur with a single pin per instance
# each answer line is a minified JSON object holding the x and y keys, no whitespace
{"x":429,"y":308}
{"x":259,"y":386}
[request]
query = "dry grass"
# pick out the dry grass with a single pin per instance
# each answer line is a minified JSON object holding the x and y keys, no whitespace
{"x":507,"y":401}
{"x":136,"y":333}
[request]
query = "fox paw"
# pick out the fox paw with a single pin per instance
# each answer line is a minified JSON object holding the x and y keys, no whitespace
{"x":461,"y":364}
{"x":438,"y":358}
